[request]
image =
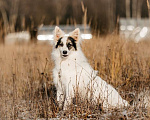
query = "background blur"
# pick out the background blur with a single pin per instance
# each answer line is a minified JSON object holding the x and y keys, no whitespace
{"x":102,"y":15}
{"x":116,"y":49}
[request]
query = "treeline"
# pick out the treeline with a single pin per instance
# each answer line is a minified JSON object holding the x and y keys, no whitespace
{"x":102,"y":15}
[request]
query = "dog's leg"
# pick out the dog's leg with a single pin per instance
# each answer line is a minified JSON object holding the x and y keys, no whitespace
{"x":60,"y":97}
{"x":67,"y":102}
{"x":60,"y":89}
{"x":68,"y":97}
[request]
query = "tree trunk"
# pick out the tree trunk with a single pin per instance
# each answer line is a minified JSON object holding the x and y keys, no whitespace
{"x":139,"y":8}
{"x":13,"y":15}
{"x":134,"y":8}
{"x":111,"y":15}
{"x":5,"y":19}
{"x":23,"y":21}
{"x":128,"y":9}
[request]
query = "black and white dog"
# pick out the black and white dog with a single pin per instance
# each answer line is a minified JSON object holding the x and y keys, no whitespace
{"x":72,"y":70}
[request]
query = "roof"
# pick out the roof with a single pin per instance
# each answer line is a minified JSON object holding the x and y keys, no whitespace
{"x":46,"y":32}
{"x":135,"y":29}
{"x":66,"y":28}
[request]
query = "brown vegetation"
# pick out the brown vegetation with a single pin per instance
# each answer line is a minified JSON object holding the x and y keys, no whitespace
{"x":27,"y":91}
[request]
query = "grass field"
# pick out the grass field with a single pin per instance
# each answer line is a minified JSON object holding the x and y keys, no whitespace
{"x":26,"y":84}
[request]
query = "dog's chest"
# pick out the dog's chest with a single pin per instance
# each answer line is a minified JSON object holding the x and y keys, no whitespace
{"x":68,"y":68}
{"x":70,"y":72}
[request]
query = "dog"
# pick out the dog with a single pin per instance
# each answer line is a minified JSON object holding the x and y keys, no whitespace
{"x":72,"y":71}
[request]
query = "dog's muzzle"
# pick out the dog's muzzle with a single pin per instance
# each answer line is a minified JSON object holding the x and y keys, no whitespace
{"x":64,"y":53}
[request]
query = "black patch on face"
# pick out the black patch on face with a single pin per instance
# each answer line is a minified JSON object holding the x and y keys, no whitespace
{"x":73,"y":41}
{"x":59,"y":43}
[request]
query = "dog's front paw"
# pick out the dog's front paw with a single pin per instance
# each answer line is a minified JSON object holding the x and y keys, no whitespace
{"x":66,"y":104}
{"x":60,"y":106}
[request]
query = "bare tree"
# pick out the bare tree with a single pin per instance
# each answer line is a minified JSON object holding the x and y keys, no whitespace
{"x":148,"y":6}
{"x":3,"y":6}
{"x":128,"y":8}
{"x":13,"y":14}
{"x":111,"y":14}
{"x":9,"y":24}
{"x":139,"y":8}
{"x":136,"y":8}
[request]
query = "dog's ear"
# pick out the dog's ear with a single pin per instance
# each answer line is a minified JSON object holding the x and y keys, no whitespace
{"x":58,"y":33}
{"x":75,"y":34}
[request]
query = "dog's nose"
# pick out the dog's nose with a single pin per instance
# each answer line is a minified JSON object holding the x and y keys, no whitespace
{"x":64,"y":52}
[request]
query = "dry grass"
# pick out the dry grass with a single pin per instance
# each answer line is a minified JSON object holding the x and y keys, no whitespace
{"x":26,"y":90}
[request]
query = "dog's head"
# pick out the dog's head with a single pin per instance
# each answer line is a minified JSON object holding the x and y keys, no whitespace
{"x":66,"y":44}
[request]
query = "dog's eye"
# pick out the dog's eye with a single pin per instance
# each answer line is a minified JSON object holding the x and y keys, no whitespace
{"x":61,"y":44}
{"x":69,"y":45}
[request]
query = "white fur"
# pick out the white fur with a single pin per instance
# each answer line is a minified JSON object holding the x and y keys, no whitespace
{"x":75,"y":72}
